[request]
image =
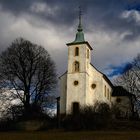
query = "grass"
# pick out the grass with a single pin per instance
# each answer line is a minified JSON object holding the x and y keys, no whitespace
{"x":83,"y":135}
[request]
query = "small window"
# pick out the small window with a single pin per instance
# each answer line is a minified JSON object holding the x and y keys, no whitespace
{"x":88,"y":53}
{"x":76,"y":66}
{"x":76,"y":51}
{"x":93,"y":86}
{"x":118,"y":100}
{"x":76,"y":83}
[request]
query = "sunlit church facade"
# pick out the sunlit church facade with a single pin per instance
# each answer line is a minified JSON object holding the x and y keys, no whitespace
{"x":82,"y":83}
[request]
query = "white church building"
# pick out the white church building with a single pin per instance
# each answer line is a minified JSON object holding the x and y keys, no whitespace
{"x":82,"y":83}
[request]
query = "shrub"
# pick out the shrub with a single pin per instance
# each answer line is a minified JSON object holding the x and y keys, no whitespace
{"x":89,"y":117}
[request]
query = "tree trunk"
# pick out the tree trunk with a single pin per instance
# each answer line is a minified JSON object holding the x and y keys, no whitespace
{"x":27,"y":107}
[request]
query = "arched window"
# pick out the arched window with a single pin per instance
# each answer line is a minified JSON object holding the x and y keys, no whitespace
{"x":76,"y":66}
{"x":105,"y":90}
{"x":108,"y":94}
{"x":87,"y":53}
{"x":76,"y":51}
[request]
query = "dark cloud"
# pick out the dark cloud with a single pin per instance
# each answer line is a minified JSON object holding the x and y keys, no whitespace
{"x":100,"y":13}
{"x":104,"y":10}
{"x":16,"y":6}
{"x":104,"y":15}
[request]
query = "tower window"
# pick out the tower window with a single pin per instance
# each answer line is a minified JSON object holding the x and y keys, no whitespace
{"x":76,"y":66}
{"x":76,"y":51}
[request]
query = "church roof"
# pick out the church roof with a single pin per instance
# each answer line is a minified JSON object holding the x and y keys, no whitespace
{"x":120,"y":91}
{"x":79,"y":35}
{"x":104,"y":76}
{"x":76,"y":43}
{"x":107,"y":80}
{"x":63,"y":74}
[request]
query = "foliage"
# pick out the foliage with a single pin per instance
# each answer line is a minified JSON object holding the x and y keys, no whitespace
{"x":89,"y":117}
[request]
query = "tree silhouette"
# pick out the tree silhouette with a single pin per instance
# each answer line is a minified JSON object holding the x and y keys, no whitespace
{"x":130,"y":80}
{"x":28,"y":69}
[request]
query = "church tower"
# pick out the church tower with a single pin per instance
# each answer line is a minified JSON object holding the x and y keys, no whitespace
{"x":82,"y":84}
{"x":78,"y":69}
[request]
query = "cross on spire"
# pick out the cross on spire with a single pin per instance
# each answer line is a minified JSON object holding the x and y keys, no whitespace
{"x":80,"y":14}
{"x":80,"y":18}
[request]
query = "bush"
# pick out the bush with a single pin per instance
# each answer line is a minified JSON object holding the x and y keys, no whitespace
{"x":89,"y":118}
{"x":7,"y":125}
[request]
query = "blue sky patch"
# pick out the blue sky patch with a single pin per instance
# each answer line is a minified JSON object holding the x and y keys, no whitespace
{"x":118,"y":70}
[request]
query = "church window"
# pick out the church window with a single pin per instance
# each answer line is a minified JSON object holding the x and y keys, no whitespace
{"x":76,"y":51}
{"x":76,"y":66}
{"x":105,"y":90}
{"x":76,"y":83}
{"x":93,"y":86}
{"x":118,"y":100}
{"x":108,"y":94}
{"x":87,"y":53}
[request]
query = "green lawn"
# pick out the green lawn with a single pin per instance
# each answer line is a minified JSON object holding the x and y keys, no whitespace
{"x":90,"y":135}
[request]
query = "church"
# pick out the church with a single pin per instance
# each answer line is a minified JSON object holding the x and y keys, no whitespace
{"x":82,"y":83}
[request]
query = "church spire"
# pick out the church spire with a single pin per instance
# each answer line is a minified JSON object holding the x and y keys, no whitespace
{"x":79,"y":35}
{"x":80,"y":22}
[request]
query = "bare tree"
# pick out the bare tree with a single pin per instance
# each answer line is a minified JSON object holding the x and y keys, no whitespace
{"x":28,"y":69}
{"x":136,"y":72}
{"x":130,"y":80}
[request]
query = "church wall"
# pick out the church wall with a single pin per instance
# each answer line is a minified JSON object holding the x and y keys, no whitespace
{"x":97,"y":93}
{"x":76,"y":93}
{"x":94,"y":94}
{"x":63,"y":88}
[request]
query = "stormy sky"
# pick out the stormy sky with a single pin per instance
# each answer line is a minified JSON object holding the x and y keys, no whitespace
{"x":112,"y":27}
